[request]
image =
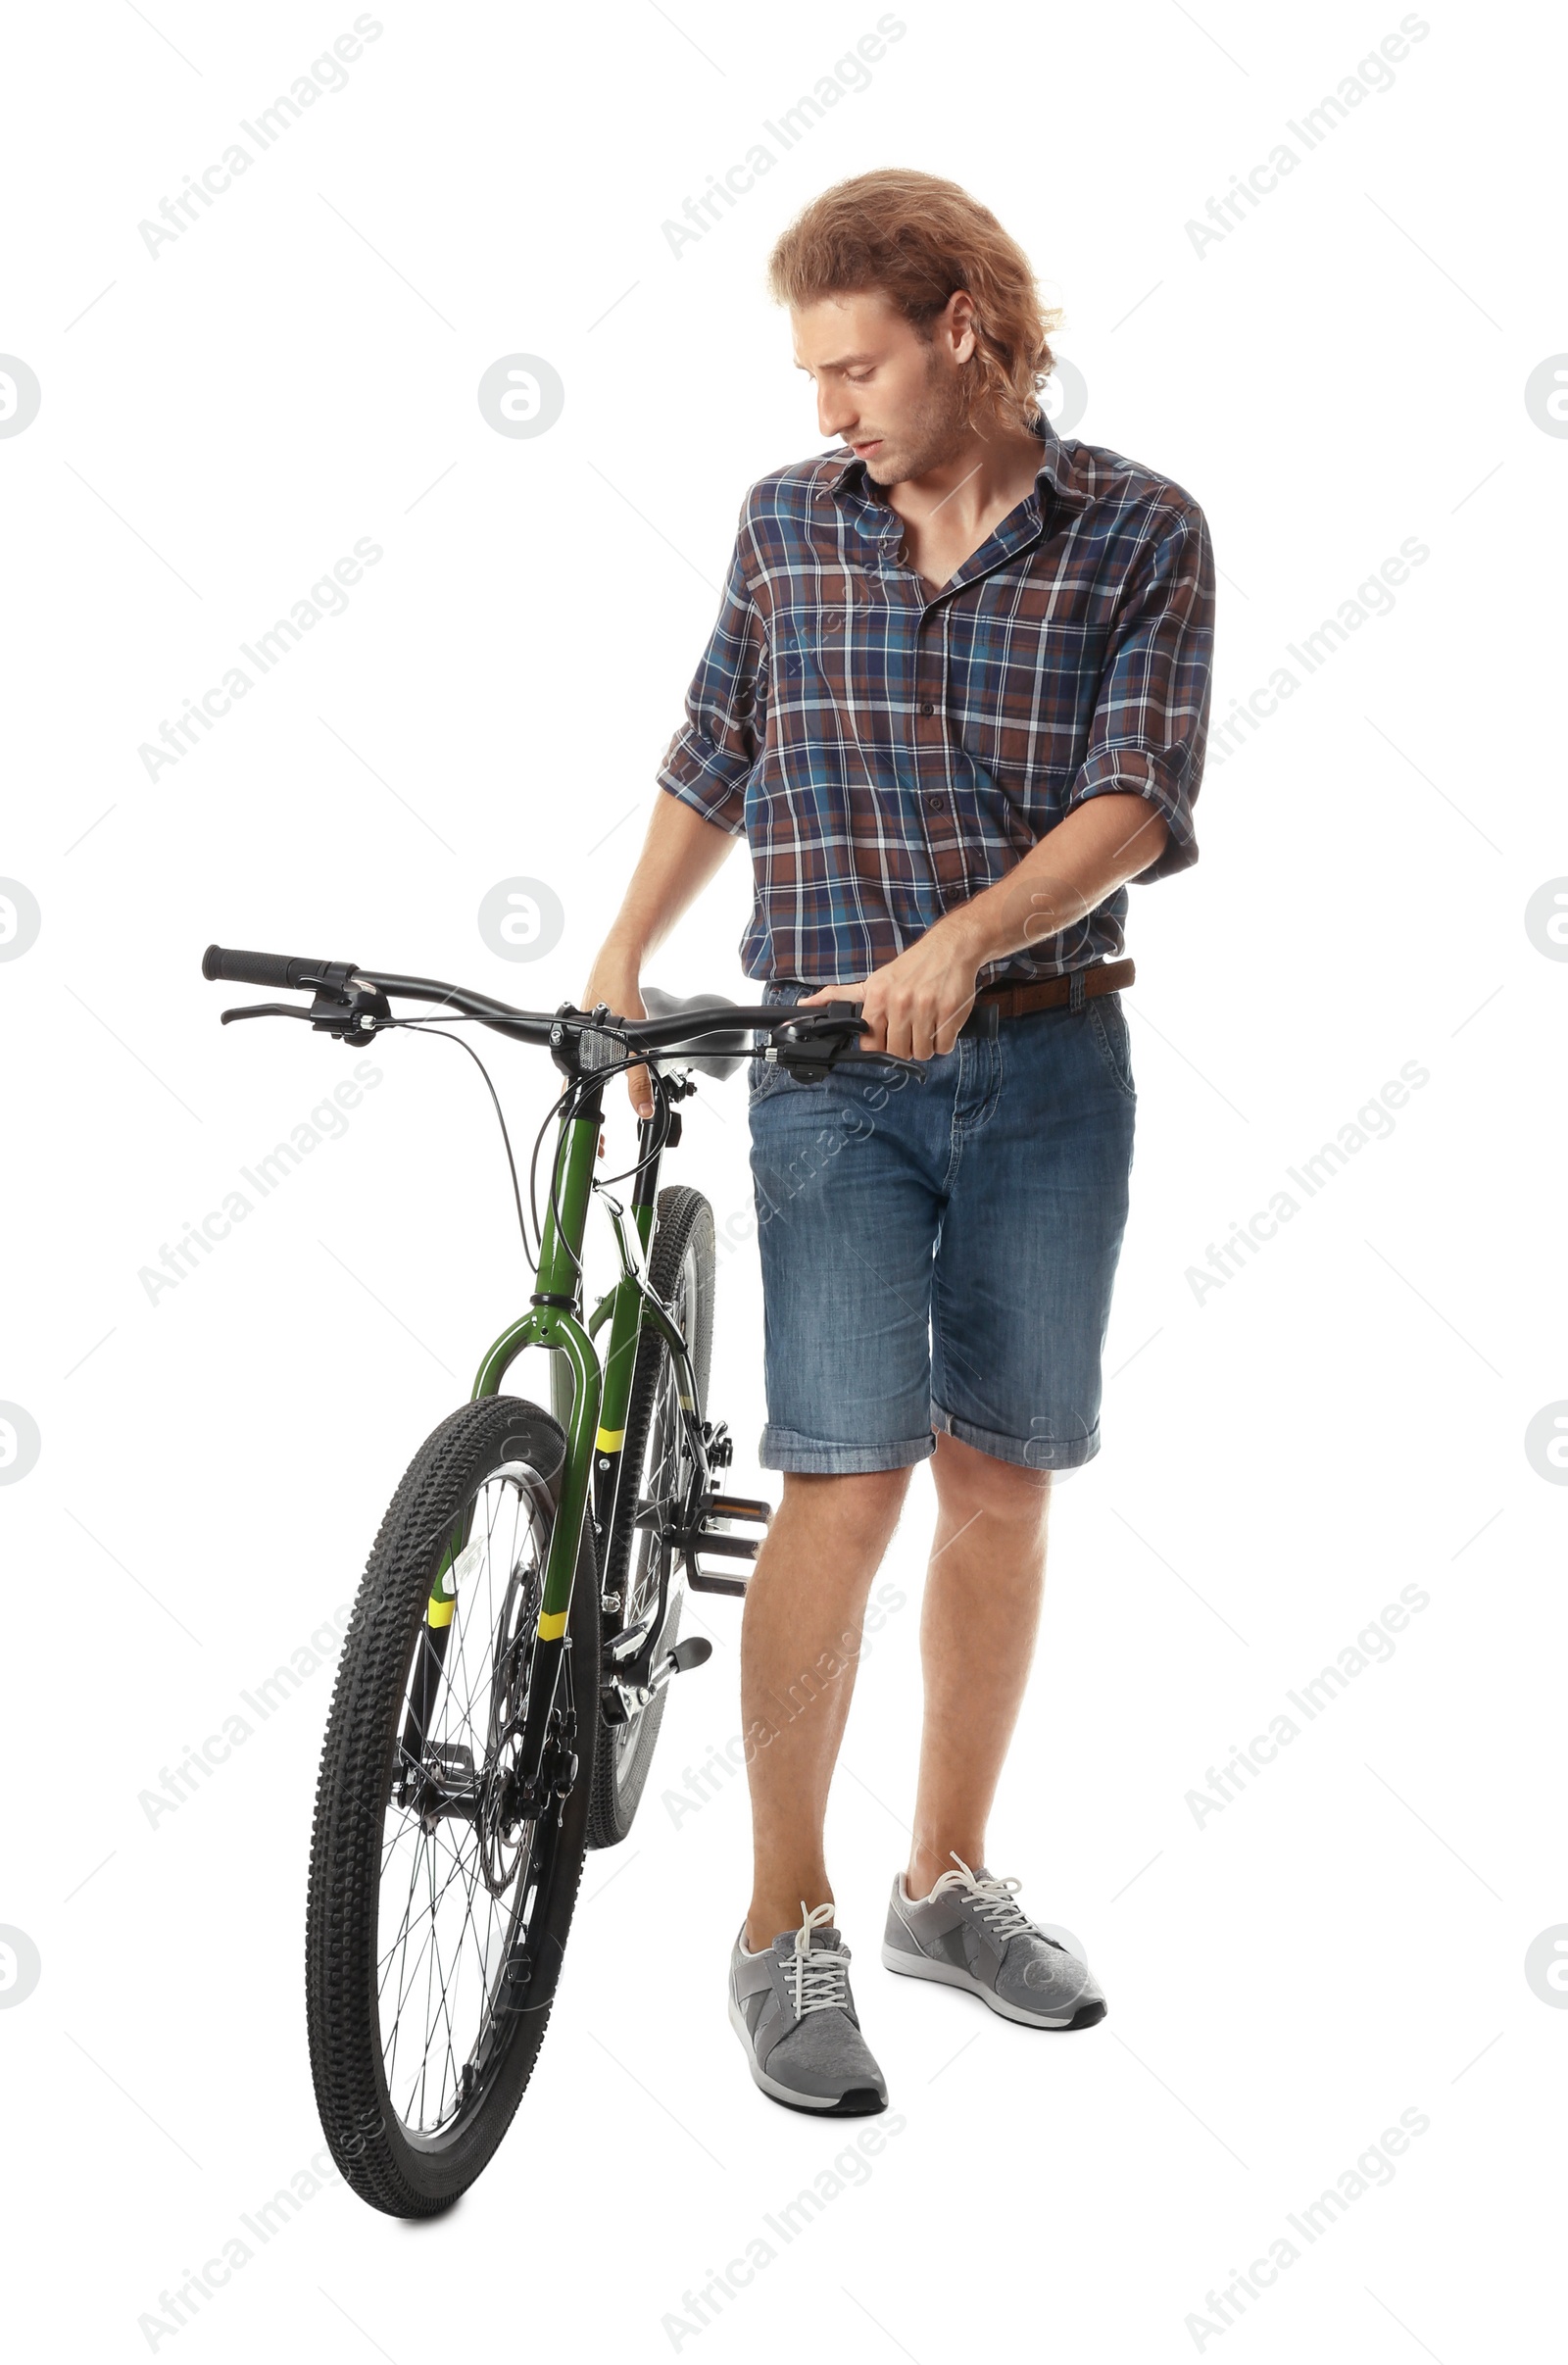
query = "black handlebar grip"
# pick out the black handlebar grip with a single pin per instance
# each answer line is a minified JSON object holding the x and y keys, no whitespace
{"x":289,"y":971}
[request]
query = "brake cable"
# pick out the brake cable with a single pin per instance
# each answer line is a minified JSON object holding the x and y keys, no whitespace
{"x":556,"y":1114}
{"x":425,"y":1026}
{"x":564,"y":1109}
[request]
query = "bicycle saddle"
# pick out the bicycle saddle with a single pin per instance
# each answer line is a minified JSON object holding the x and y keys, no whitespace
{"x":724,"y":1053}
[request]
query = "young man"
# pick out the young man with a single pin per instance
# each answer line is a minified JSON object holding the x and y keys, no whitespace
{"x":956,"y":698}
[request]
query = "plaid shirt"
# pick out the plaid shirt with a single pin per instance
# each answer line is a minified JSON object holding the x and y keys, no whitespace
{"x":890,"y":751}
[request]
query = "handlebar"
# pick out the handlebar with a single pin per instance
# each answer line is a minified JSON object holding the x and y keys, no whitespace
{"x":286,"y":970}
{"x":824,"y":1033}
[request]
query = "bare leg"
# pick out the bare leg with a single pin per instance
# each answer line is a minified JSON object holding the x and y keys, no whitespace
{"x":799,"y":1646}
{"x":977,"y":1636}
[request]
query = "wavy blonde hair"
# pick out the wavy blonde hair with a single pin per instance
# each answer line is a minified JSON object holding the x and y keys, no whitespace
{"x":918,"y":239}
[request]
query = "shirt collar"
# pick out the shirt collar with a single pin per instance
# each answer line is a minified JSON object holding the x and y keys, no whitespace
{"x":1056,"y":470}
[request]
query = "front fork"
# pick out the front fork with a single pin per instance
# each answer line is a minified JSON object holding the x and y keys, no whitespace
{"x":592,"y":1409}
{"x":549,"y":1322}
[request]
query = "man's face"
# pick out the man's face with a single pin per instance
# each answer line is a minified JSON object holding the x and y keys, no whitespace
{"x":880,"y":386}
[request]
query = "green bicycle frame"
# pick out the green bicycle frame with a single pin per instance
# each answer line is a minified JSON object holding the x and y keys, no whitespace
{"x":596,"y":1424}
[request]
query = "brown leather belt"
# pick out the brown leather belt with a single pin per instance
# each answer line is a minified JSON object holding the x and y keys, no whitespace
{"x":1050,"y":993}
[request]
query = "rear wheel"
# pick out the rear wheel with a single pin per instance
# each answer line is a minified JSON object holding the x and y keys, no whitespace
{"x":657,"y":1465}
{"x":437,"y":1911}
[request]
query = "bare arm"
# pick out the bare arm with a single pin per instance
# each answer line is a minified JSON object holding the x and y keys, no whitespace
{"x":1074,"y":868}
{"x":915,"y":1004}
{"x":680,"y":854}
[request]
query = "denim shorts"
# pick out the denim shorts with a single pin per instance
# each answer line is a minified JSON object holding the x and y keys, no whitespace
{"x":939,"y":1255}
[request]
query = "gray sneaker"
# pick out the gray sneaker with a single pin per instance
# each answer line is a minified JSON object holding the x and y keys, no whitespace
{"x":791,"y":2008}
{"x":969,"y":1933}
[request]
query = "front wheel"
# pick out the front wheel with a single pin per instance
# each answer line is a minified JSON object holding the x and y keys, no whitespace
{"x":439,"y":1911}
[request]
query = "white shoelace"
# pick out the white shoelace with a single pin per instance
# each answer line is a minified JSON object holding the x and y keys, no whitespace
{"x":993,"y":1899}
{"x":821,"y":1979}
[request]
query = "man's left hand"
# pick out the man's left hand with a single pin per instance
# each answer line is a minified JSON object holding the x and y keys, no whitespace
{"x":915,"y":1006}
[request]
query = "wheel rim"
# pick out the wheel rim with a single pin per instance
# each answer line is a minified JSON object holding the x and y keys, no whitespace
{"x":453,"y":1897}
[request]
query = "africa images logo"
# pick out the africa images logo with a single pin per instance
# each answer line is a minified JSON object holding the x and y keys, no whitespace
{"x":851,"y":75}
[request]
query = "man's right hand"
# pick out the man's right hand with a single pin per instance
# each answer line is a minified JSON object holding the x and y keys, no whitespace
{"x":613,"y":980}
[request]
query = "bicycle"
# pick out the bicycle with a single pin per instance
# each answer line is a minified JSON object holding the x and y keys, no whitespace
{"x":504,"y":1674}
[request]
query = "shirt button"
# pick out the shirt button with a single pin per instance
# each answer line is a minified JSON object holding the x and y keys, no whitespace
{"x":934,"y":801}
{"x":926,"y":707}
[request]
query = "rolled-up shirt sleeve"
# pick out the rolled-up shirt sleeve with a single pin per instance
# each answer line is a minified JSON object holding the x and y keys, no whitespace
{"x":711,"y":756}
{"x":1150,"y":720}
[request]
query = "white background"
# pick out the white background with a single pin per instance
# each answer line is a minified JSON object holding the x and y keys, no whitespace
{"x":1346,"y":368}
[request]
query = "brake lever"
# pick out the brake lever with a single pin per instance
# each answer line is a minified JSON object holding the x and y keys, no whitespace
{"x":817,"y":1044}
{"x":812,"y":1072}
{"x":263,"y":1010}
{"x":854,"y":1057}
{"x":352,"y":1017}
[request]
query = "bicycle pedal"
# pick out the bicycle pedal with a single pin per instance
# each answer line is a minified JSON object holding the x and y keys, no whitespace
{"x":728,"y":1548}
{"x":705,"y":1540}
{"x":701,"y":1580}
{"x":737,"y":1506}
